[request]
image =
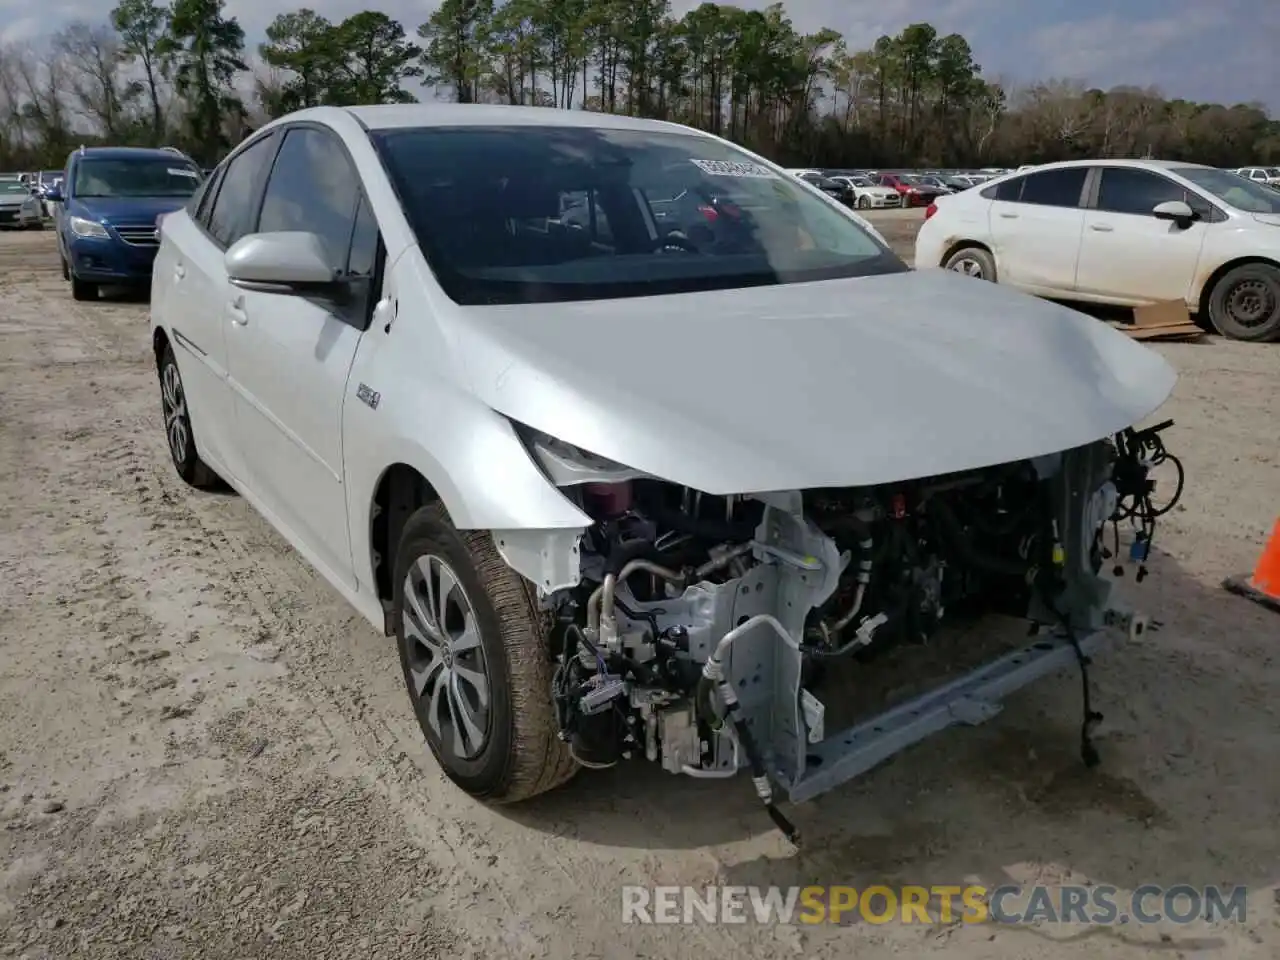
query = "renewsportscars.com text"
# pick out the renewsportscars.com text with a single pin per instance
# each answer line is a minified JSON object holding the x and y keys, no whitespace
{"x":1011,"y":904}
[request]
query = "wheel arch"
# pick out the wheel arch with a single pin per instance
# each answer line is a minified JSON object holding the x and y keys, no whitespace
{"x":399,"y":491}
{"x":955,"y":246}
{"x":1206,"y":291}
{"x":159,"y":342}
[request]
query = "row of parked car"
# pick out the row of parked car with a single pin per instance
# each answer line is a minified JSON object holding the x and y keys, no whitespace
{"x":879,"y":190}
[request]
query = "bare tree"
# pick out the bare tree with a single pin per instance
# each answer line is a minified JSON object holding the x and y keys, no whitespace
{"x":98,"y":90}
{"x":40,"y":82}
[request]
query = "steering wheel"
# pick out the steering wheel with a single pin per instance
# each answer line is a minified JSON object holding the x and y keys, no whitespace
{"x":675,"y":241}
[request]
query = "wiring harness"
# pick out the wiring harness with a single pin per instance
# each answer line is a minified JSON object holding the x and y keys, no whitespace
{"x":1138,"y":453}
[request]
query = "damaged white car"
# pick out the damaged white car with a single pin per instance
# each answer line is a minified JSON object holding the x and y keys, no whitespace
{"x":619,"y":484}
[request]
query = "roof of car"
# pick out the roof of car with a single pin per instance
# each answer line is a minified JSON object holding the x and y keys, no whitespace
{"x":125,"y":153}
{"x":394,"y":115}
{"x":1162,"y":164}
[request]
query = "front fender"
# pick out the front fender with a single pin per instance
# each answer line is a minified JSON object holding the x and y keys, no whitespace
{"x":469,"y":454}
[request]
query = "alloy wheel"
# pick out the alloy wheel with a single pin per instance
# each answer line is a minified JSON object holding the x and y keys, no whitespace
{"x":967,"y":266}
{"x":446,"y":660}
{"x":175,"y":412}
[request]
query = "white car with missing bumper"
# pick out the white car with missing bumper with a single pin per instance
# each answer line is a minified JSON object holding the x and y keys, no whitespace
{"x":1121,"y":232}
{"x":617,"y":488}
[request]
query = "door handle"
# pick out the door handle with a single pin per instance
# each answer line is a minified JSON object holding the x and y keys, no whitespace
{"x":235,"y":309}
{"x":1009,"y":216}
{"x":1101,"y":227}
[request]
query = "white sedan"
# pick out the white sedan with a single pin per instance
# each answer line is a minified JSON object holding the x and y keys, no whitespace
{"x":532,"y":450}
{"x":19,"y":207}
{"x":1122,"y":232}
{"x":869,"y":195}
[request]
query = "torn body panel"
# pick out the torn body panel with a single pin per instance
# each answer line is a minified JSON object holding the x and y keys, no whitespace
{"x":701,"y":624}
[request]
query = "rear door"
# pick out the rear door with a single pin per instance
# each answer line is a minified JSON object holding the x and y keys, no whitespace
{"x":290,"y":355}
{"x":188,"y":285}
{"x":1127,"y":254}
{"x":1036,"y":223}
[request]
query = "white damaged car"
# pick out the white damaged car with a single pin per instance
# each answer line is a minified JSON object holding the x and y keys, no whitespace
{"x":617,"y":489}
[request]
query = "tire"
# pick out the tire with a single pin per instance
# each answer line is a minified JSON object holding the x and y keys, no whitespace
{"x":82,"y":289}
{"x":66,"y":271}
{"x":513,"y":751}
{"x":1245,"y":303}
{"x":177,"y":427}
{"x":972,"y":262}
{"x":864,"y":203}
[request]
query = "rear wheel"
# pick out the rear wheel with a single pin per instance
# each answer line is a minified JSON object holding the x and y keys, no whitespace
{"x":473,"y":649}
{"x":1245,"y":303}
{"x":177,"y":426}
{"x":973,"y":262}
{"x":82,"y":289}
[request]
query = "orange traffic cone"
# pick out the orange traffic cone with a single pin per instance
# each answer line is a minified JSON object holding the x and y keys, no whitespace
{"x":1264,"y":586}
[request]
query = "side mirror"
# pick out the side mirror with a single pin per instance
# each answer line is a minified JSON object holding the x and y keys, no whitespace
{"x":284,"y":262}
{"x":1176,"y":210}
{"x":53,"y":194}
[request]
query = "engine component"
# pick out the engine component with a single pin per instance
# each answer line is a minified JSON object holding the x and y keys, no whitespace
{"x":689,"y":636}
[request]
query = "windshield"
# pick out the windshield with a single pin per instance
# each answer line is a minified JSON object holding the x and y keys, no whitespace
{"x":1273,"y":171}
{"x":539,"y":214}
{"x":14,"y":186}
{"x":136,"y":177}
{"x":1233,"y":189}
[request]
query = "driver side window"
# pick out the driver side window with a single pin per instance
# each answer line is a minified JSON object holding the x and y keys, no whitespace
{"x":1133,"y":191}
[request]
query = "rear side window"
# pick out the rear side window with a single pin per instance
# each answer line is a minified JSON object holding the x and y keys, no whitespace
{"x":233,"y":208}
{"x":1055,"y":188}
{"x":1008,"y":190}
{"x":313,"y":188}
{"x":1134,"y":191}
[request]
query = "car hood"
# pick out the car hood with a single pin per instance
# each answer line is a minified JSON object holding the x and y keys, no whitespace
{"x":838,"y":383}
{"x":1270,"y":218}
{"x":14,"y":200}
{"x":128,"y":210}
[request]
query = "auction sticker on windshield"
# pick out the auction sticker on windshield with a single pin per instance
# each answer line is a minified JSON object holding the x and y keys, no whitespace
{"x":734,"y":168}
{"x":179,"y":172}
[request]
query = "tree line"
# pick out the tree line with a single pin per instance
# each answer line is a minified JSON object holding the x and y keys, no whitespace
{"x":178,"y":73}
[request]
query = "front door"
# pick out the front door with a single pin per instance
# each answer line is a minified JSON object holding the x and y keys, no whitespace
{"x":290,"y":355}
{"x":1127,"y":254}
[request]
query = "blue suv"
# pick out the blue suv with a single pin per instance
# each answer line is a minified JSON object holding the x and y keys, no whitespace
{"x":108,"y":205}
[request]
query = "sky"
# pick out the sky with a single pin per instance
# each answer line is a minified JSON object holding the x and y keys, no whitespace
{"x":1210,"y":50}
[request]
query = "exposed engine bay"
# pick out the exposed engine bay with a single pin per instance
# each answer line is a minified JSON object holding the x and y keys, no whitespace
{"x":700,"y":630}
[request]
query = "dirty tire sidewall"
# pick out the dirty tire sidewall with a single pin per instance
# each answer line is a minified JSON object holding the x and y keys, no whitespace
{"x":1263,"y":278}
{"x":985,"y":261}
{"x":522,"y":756}
{"x":66,"y":271}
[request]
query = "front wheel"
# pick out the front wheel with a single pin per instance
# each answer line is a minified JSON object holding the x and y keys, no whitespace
{"x":864,"y":203}
{"x":82,"y":289}
{"x":473,"y":649}
{"x":1245,"y":303}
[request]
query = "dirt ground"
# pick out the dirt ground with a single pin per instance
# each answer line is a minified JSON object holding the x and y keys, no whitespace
{"x":205,"y":753}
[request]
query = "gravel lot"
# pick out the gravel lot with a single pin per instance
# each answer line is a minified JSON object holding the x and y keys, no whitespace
{"x":204,"y":753}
